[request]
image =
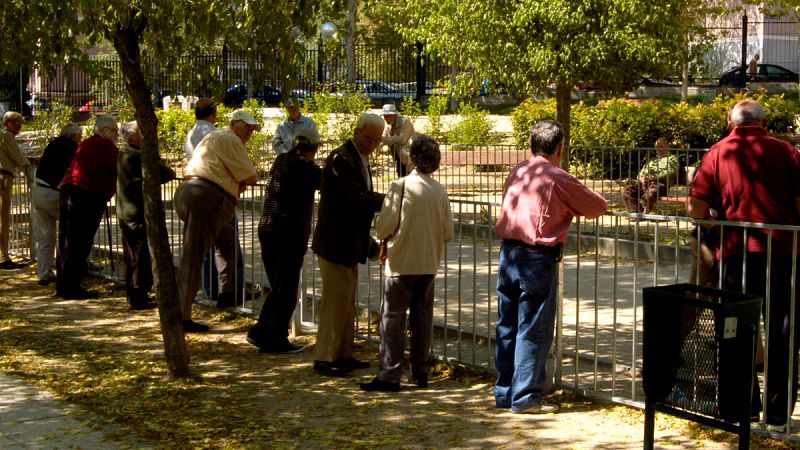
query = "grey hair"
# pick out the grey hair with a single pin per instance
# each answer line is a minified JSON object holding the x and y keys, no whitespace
{"x":546,"y":136}
{"x":11,"y":115}
{"x":128,"y":130}
{"x":747,"y":112}
{"x":369,"y":119}
{"x":103,"y":121}
{"x":425,"y":153}
{"x":71,"y":130}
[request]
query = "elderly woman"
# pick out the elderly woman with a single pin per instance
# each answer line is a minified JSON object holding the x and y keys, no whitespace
{"x":417,"y":220}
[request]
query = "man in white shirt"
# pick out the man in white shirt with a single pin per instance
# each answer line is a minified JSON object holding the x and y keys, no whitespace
{"x":289,"y":128}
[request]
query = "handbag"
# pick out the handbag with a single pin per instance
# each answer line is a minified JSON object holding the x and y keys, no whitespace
{"x":383,"y":250}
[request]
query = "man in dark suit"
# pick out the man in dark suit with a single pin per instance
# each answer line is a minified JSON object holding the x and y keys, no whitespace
{"x":342,"y":241}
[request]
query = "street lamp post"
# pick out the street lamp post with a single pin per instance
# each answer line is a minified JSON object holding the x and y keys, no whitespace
{"x":326,"y":31}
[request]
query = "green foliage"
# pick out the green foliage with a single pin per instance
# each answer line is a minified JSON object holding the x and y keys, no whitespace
{"x":437,"y":107}
{"x":258,"y":145}
{"x":335,"y":113}
{"x":410,"y":108}
{"x":473,"y":127}
{"x":629,"y":123}
{"x":173,"y":126}
{"x":48,"y":123}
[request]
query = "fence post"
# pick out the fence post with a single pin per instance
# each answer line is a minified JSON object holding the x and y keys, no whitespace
{"x":420,"y":73}
{"x":744,"y":50}
{"x":225,"y":66}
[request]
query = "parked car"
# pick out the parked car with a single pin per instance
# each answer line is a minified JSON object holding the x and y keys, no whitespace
{"x":766,"y":73}
{"x":376,"y":90}
{"x":237,"y":94}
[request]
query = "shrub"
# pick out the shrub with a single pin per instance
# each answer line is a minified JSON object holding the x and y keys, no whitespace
{"x":437,"y":107}
{"x":473,"y":127}
{"x":48,"y":123}
{"x":335,"y":113}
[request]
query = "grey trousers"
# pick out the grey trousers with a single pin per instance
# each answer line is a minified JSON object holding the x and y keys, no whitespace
{"x":206,"y":214}
{"x":413,"y":293}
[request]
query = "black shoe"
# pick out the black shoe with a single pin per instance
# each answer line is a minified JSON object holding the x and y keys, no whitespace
{"x":226,"y":300}
{"x":142,"y":306}
{"x":77,"y":294}
{"x":190,"y":326}
{"x":330,"y":369}
{"x":254,"y":342}
{"x":377,"y":385}
{"x":252,"y":291}
{"x":421,"y":379}
{"x":10,"y":265}
{"x":283,"y":349}
{"x":352,"y":363}
{"x":49,"y":278}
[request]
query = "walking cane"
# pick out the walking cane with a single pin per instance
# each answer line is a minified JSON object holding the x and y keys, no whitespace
{"x":110,"y":247}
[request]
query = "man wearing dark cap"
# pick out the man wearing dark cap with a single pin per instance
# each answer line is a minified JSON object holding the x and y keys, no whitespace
{"x":283,"y":232}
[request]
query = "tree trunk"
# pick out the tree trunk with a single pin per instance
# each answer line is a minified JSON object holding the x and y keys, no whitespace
{"x":351,"y":41}
{"x":563,"y":112}
{"x":126,"y":42}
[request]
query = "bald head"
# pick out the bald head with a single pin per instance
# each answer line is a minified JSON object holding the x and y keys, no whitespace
{"x":747,"y":113}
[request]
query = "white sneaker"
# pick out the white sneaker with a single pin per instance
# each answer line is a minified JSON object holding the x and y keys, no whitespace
{"x":543,"y":408}
{"x":776,"y":428}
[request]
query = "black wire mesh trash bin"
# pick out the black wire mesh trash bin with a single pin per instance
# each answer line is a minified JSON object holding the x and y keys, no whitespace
{"x":698,"y":356}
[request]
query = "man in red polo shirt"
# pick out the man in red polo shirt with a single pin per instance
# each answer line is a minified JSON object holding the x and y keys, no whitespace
{"x":756,"y":178}
{"x":88,"y":185}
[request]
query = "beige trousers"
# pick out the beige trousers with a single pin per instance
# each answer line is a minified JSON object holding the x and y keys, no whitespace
{"x":336,"y":312}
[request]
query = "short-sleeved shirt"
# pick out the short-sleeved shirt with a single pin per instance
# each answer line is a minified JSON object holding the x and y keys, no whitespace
{"x":287,"y":130}
{"x":222,"y":159}
{"x":754,"y":178}
{"x":94,"y":167}
{"x":10,"y":155}
{"x":539,"y":202}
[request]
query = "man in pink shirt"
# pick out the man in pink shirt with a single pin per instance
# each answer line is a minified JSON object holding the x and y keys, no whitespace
{"x":539,"y":202}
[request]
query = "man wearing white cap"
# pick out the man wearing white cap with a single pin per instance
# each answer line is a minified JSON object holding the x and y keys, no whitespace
{"x":295,"y":124}
{"x":216,"y":175}
{"x":283,"y":232}
{"x":398,"y":138}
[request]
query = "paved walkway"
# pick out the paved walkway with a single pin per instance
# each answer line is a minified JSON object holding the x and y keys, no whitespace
{"x":34,"y":419}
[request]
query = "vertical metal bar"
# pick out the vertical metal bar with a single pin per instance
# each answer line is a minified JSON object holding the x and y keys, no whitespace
{"x":576,"y":362}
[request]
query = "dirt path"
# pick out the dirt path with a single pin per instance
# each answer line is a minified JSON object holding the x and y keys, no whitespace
{"x":107,"y":360}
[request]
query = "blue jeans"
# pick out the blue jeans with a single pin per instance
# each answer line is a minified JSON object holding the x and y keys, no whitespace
{"x":526,"y":293}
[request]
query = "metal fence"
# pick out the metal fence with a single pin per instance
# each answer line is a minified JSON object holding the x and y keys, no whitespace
{"x":598,"y":347}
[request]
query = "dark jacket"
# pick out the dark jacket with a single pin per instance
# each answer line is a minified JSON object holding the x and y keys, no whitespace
{"x":130,"y":202}
{"x":346,"y":209}
{"x":56,"y":158}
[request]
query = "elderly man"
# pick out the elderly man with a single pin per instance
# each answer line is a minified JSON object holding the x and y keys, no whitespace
{"x":539,"y":203}
{"x":291,"y":127}
{"x":341,"y":241}
{"x":10,"y":160}
{"x":654,"y":180}
{"x":398,"y":138}
{"x":45,"y":197}
{"x":753,"y":177}
{"x":205,"y":115}
{"x":88,"y":185}
{"x":216,"y":175}
{"x":130,"y":213}
{"x":283,"y":232}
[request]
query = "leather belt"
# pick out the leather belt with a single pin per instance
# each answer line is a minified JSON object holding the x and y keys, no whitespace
{"x":212,"y":184}
{"x":558,"y":248}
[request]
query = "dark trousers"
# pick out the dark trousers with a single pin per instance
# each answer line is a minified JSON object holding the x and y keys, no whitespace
{"x":400,"y":168}
{"x":413,"y":293}
{"x":138,"y":267}
{"x":80,"y":215}
{"x":779,"y":360}
{"x":211,"y":274}
{"x":283,"y":264}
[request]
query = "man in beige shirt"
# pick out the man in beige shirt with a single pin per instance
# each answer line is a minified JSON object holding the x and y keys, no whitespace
{"x":216,"y":175}
{"x":398,"y":137}
{"x":10,"y":160}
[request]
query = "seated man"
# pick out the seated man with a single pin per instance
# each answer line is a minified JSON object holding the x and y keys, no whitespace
{"x":654,"y":178}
